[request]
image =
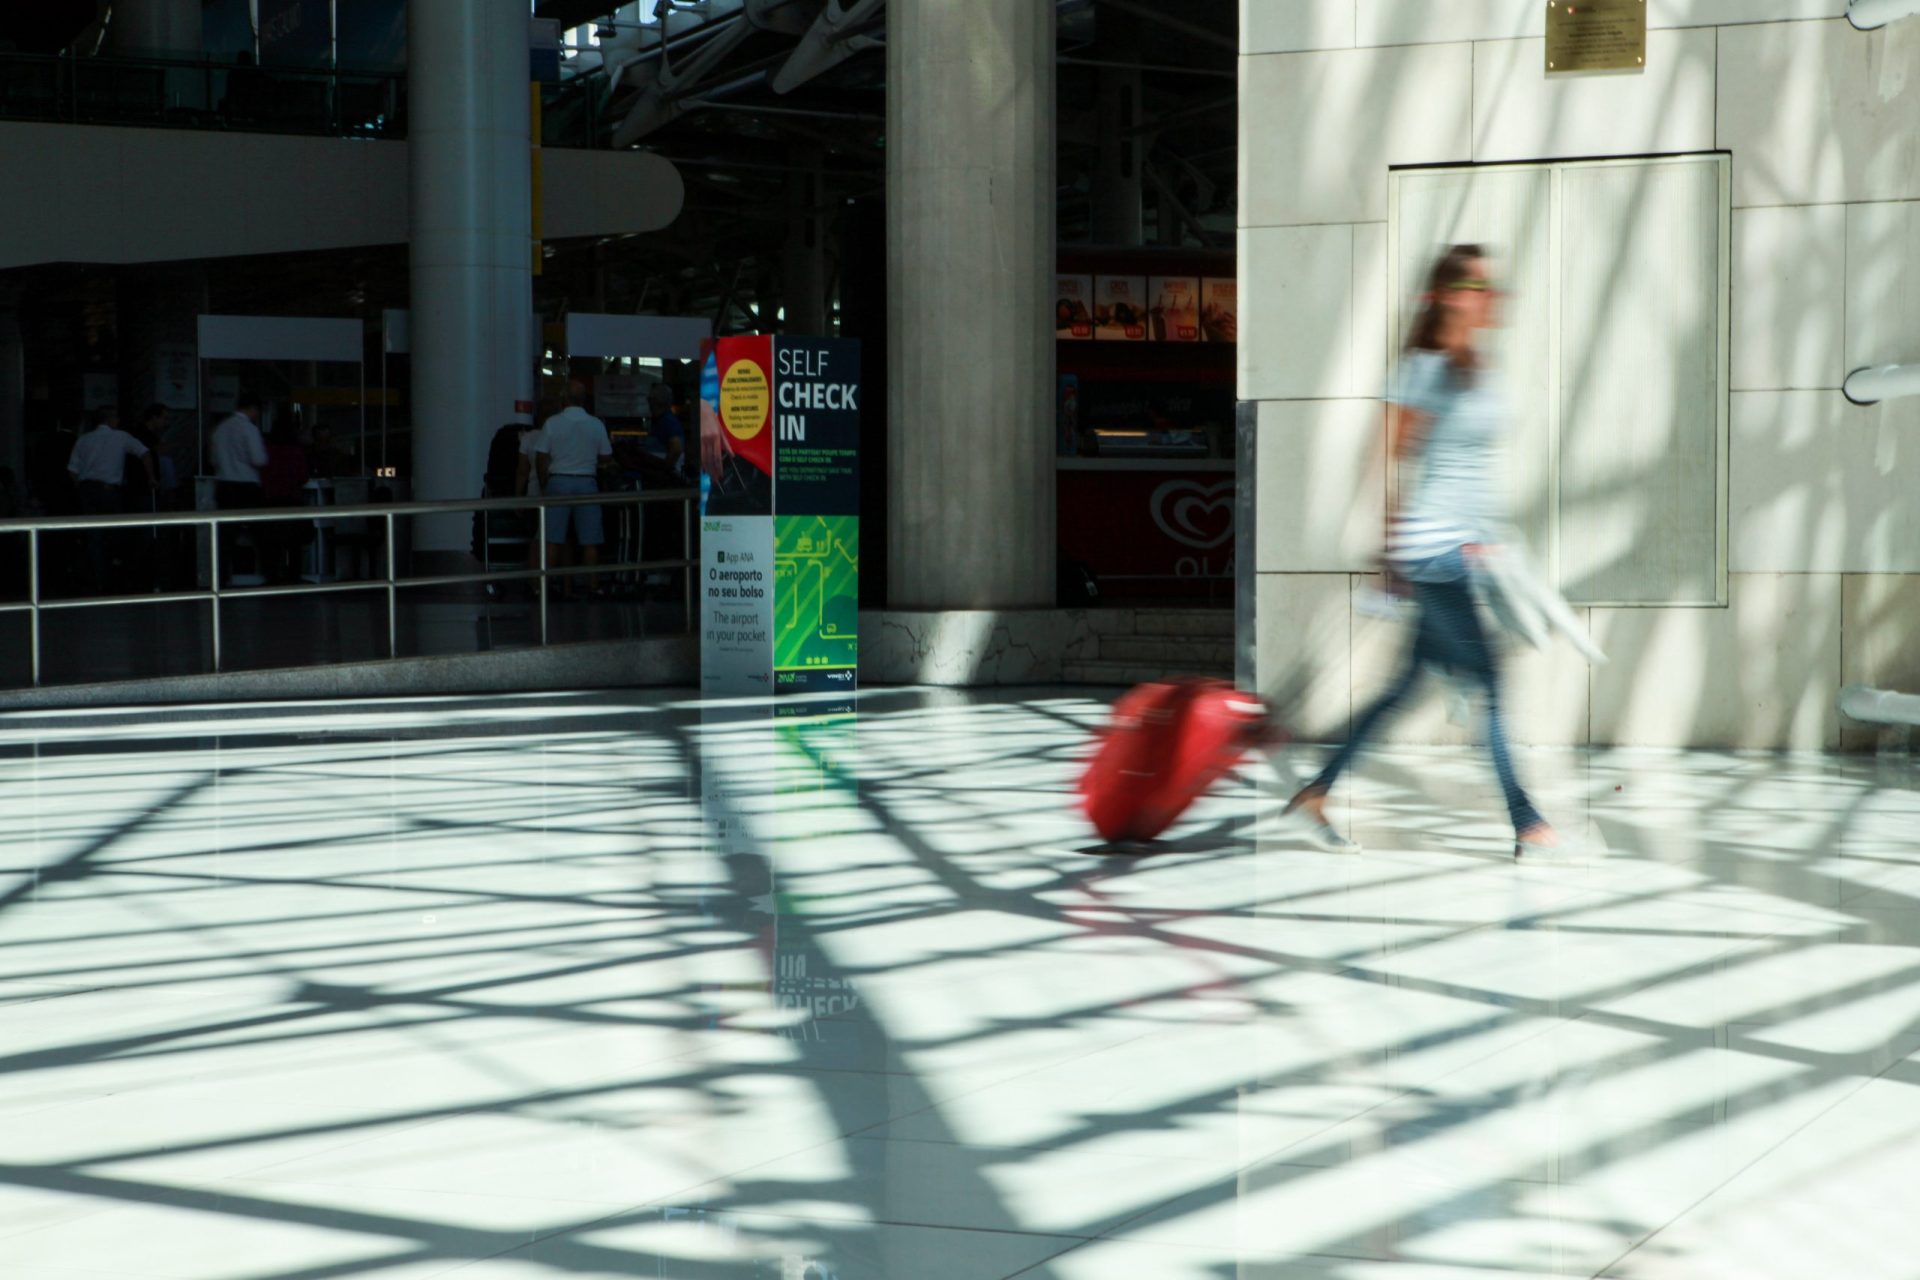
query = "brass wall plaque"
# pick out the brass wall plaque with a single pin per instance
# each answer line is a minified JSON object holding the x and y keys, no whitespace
{"x":1596,"y":35}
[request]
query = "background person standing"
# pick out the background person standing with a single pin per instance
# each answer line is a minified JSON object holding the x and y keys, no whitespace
{"x":238,"y":454}
{"x":98,"y":465}
{"x":575,"y":449}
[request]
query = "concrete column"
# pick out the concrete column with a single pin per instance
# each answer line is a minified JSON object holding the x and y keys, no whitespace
{"x":145,"y":27}
{"x":469,"y":143}
{"x":970,"y":267}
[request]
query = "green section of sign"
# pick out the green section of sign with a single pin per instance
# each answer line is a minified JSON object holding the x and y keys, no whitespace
{"x":817,"y":604}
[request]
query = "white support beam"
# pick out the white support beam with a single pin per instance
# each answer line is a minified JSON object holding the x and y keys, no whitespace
{"x":1884,"y":382}
{"x":666,"y":87}
{"x":1870,"y":14}
{"x":1879,"y":706}
{"x":833,"y":38}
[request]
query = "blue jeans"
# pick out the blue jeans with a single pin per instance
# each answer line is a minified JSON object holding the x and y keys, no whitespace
{"x":1448,"y":636}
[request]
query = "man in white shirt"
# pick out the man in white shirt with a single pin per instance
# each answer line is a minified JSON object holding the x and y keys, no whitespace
{"x":98,"y":464}
{"x":573,"y":449}
{"x":238,"y":451}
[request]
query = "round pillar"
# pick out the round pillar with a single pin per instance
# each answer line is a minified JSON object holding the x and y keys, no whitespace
{"x":469,"y":143}
{"x":970,"y":266}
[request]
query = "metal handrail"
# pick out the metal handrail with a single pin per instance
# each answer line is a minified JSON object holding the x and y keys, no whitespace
{"x":345,"y":511}
{"x":385,"y":512}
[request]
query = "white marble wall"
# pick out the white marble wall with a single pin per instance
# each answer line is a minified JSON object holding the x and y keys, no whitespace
{"x":1823,"y":124}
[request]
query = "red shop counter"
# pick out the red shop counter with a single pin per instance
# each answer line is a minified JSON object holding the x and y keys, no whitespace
{"x":1150,"y":529}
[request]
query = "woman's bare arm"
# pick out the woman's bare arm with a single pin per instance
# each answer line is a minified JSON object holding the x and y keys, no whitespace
{"x":1406,"y":433}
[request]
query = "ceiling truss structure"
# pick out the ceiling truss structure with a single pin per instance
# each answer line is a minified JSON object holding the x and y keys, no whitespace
{"x":751,"y":97}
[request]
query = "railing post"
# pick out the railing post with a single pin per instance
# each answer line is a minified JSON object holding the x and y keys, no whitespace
{"x":213,"y":565}
{"x":541,"y":531}
{"x":33,"y":602}
{"x":393,"y":596}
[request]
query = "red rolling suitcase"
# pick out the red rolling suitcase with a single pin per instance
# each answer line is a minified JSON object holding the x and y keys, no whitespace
{"x":1167,"y":744}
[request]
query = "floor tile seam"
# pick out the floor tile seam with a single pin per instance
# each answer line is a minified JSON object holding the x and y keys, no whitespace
{"x":254,"y":1171}
{"x":912,"y":1072}
{"x":1725,"y":1182}
{"x":240,"y":1181}
{"x":1112,"y":1232}
{"x":908,"y":1222}
{"x":1312,"y":1259}
{"x":1587,"y":1002}
{"x":533,"y":1238}
{"x":111,"y":1207}
{"x":298,"y":959}
{"x":1660,"y":1026}
{"x":933,"y":1104}
{"x":519,"y":1109}
{"x":1271,"y":1159}
{"x":1023,"y":1148}
{"x":1907,"y":901}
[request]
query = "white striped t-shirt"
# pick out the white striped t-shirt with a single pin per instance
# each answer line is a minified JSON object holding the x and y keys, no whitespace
{"x":1453,"y":498}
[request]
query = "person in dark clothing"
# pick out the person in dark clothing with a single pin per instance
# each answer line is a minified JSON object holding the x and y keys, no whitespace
{"x":504,"y":479}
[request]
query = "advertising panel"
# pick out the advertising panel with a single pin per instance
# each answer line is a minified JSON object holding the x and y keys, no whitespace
{"x":1150,"y":531}
{"x":1120,"y":308}
{"x":736,"y":625}
{"x":1219,"y":310}
{"x":1073,"y":307}
{"x":780,"y":501}
{"x":1176,"y":308}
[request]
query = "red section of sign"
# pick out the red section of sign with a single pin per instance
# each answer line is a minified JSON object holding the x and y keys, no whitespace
{"x":523,"y":406}
{"x":751,"y":440}
{"x":1150,"y":533}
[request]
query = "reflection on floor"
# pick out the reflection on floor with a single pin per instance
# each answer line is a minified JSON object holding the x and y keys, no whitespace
{"x":604,"y":986}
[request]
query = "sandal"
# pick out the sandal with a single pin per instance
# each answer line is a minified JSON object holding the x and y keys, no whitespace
{"x":1315,"y":827}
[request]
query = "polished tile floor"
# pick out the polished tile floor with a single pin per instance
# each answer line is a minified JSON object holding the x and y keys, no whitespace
{"x":598,"y":986}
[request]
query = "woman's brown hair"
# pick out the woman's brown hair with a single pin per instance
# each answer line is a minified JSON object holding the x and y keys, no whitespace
{"x":1449,"y":270}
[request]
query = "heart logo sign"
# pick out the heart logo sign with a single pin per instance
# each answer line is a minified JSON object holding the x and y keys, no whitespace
{"x":1193,"y":514}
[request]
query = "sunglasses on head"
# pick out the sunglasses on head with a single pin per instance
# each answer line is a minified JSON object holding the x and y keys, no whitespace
{"x":1473,"y":285}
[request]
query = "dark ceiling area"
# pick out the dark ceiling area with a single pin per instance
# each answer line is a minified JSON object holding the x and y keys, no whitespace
{"x":777,"y":141}
{"x":760,"y":135}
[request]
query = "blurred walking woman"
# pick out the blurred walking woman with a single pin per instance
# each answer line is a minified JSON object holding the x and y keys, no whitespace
{"x":1444,"y":417}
